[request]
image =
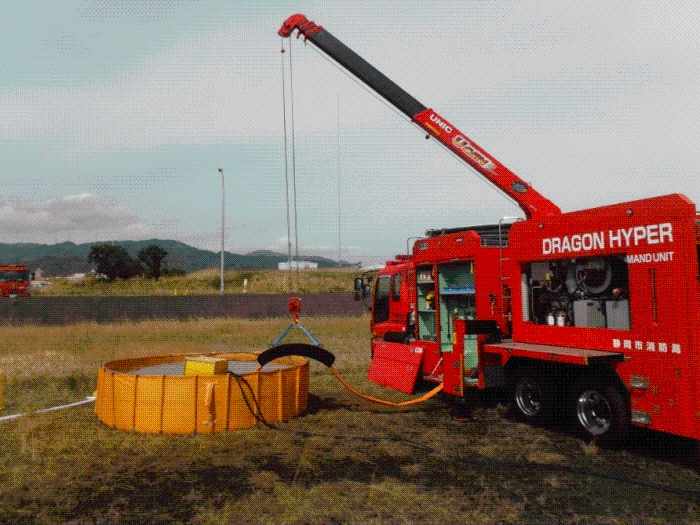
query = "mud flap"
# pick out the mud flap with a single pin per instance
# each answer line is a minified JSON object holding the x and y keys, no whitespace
{"x":395,"y":365}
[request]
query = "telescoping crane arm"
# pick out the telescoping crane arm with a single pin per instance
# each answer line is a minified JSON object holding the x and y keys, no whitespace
{"x":533,"y":204}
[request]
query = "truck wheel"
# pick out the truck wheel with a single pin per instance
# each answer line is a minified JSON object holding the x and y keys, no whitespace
{"x":601,"y":410}
{"x":531,"y":396}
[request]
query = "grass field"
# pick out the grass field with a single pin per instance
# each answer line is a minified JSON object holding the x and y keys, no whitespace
{"x":342,"y":461}
{"x":208,"y":282}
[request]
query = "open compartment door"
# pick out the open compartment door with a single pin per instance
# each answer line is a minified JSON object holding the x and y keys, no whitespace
{"x":453,"y":366}
{"x":395,"y":365}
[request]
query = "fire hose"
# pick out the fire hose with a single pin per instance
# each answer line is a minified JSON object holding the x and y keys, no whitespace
{"x":324,"y":356}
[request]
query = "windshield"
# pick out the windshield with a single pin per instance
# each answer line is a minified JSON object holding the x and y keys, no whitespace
{"x":13,"y":276}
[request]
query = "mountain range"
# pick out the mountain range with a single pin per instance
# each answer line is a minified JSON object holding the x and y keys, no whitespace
{"x":67,"y":258}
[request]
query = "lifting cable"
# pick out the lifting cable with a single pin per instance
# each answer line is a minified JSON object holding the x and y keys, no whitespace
{"x":286,"y":163}
{"x":286,"y":172}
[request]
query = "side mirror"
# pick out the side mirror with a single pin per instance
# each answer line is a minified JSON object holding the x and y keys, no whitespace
{"x":359,"y":284}
{"x":363,"y":290}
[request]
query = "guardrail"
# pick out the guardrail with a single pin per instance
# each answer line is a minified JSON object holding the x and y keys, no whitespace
{"x":50,"y":310}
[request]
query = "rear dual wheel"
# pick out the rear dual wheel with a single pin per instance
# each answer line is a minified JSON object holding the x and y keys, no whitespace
{"x":598,"y":405}
{"x":600,"y":410}
{"x":531,"y":395}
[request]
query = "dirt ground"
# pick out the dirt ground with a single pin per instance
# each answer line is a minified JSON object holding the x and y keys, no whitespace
{"x":344,"y":460}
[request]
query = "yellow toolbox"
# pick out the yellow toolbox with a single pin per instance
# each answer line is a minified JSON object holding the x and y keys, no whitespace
{"x":200,"y":365}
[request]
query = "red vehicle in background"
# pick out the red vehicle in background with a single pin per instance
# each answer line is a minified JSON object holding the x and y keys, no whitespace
{"x":14,"y":280}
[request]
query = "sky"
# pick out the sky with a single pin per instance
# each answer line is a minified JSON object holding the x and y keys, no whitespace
{"x":116,"y":115}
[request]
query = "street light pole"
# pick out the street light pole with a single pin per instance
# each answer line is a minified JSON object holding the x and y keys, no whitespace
{"x":221,"y":170}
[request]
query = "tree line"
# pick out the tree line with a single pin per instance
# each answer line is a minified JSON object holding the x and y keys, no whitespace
{"x":115,"y":262}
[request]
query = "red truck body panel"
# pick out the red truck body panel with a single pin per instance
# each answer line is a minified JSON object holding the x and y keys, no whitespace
{"x":657,"y":238}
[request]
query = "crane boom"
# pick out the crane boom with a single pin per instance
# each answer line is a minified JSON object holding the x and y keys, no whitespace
{"x":533,"y":204}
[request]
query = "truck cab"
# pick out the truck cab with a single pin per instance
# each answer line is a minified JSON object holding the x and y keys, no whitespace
{"x":392,"y":296}
{"x":14,"y":280}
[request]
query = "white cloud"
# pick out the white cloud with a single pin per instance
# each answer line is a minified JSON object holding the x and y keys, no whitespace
{"x":500,"y":63}
{"x":79,"y":218}
{"x":329,"y":251}
{"x":592,"y":102}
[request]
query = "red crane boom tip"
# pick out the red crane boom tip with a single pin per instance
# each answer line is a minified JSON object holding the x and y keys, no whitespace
{"x":288,"y":26}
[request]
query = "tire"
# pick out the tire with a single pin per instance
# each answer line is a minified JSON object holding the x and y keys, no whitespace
{"x":600,"y":410}
{"x":532,"y":397}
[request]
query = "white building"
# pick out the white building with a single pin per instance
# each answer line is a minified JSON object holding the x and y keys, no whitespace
{"x":301,"y":265}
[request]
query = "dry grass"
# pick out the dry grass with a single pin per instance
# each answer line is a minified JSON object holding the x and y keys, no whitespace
{"x":343,"y":461}
{"x":206,"y":282}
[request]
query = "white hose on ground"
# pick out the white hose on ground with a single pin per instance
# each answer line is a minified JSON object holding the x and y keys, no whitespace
{"x":88,"y":399}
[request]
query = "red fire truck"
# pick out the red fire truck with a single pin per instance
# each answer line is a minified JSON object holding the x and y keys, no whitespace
{"x":591,"y":315}
{"x":14,"y":280}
